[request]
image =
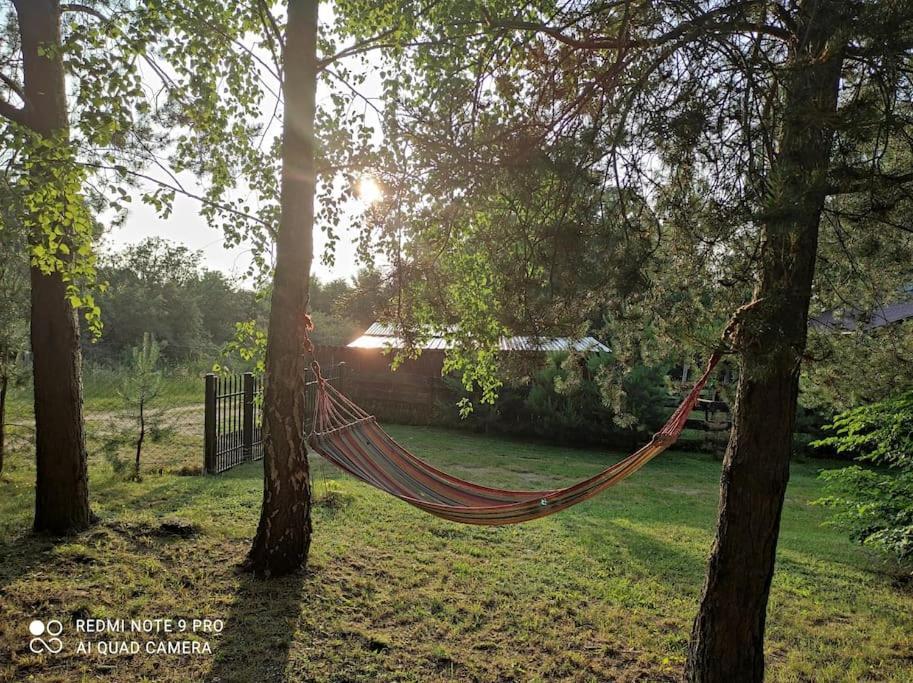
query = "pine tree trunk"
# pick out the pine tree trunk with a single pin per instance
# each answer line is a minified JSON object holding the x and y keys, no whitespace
{"x":728,"y":636}
{"x":4,"y":384}
{"x":284,"y":533}
{"x":61,"y":492}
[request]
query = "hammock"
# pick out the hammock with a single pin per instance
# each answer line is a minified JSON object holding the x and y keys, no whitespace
{"x":352,"y":440}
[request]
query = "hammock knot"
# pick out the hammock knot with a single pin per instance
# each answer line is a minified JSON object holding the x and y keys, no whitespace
{"x":307,"y":324}
{"x":315,"y":366}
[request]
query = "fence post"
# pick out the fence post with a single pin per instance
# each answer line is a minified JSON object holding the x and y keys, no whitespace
{"x":341,"y":376}
{"x":209,"y":425}
{"x":247,"y":426}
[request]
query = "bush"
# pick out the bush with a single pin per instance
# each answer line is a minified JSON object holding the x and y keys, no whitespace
{"x":565,"y":401}
{"x":874,"y":505}
{"x":810,"y":431}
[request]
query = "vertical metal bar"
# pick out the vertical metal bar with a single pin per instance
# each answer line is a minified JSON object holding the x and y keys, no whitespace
{"x":220,"y":426}
{"x":235,"y":427}
{"x":230,"y":414}
{"x":236,"y":422}
{"x":220,"y":403}
{"x":220,"y":414}
{"x":226,"y":422}
{"x":223,"y":415}
{"x":257,"y":445}
{"x":240,"y":417}
{"x":255,"y":411}
{"x":209,"y":424}
{"x":248,"y":423}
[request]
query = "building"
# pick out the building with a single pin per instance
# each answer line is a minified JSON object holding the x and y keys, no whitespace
{"x":381,"y":336}
{"x":851,"y":320}
{"x":416,"y":389}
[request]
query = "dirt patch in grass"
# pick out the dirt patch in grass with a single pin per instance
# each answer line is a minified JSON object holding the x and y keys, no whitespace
{"x":332,"y":500}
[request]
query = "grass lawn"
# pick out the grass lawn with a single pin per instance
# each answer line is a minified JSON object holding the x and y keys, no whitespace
{"x":604,"y":591}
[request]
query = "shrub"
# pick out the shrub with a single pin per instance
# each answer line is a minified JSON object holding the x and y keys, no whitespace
{"x":564,"y":401}
{"x":874,"y":505}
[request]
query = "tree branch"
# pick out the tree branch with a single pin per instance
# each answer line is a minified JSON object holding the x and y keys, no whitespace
{"x":180,"y":190}
{"x":600,"y":43}
{"x":268,"y":18}
{"x":272,"y":38}
{"x":12,"y":85}
{"x":11,"y":113}
{"x":85,"y":9}
{"x":852,"y":181}
{"x":360,"y":46}
{"x":375,"y":41}
{"x":622,"y":43}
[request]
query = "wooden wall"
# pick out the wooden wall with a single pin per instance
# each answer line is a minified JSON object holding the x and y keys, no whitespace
{"x":411,"y":395}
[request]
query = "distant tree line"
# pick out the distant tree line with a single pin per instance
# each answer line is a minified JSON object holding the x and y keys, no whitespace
{"x":161,"y":288}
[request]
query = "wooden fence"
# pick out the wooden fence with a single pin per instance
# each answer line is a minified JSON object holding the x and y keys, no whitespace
{"x":417,"y":394}
{"x":414,"y":394}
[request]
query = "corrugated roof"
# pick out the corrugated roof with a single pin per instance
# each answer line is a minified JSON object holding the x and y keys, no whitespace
{"x":381,"y":336}
{"x":850,"y":320}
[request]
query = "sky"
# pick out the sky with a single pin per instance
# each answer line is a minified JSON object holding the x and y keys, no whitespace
{"x":186,"y":226}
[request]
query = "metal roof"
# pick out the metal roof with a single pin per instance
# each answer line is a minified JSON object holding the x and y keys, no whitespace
{"x":850,"y":320}
{"x":381,"y":336}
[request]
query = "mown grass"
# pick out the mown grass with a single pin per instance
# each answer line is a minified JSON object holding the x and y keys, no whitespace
{"x":178,"y":387}
{"x":173,"y":441}
{"x":605,"y":591}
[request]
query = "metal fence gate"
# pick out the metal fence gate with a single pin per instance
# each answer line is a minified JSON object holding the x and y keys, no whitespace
{"x":233,"y":419}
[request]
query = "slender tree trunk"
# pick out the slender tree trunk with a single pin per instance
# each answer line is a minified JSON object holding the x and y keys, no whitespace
{"x":284,"y":533}
{"x":62,"y":491}
{"x":4,"y":383}
{"x":139,"y":441}
{"x":728,"y":637}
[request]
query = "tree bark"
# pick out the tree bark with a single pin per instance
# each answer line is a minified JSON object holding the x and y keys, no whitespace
{"x":284,"y":532}
{"x":139,"y":441}
{"x":727,"y":642}
{"x":4,"y":383}
{"x":61,"y":491}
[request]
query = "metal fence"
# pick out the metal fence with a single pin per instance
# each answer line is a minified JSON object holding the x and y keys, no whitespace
{"x":233,"y":418}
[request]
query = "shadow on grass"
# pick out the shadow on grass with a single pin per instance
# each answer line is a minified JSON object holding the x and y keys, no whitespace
{"x":18,"y":556}
{"x":172,"y":493}
{"x":671,"y":570}
{"x":260,"y":628}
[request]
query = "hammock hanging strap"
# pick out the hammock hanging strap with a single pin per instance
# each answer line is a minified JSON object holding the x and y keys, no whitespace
{"x":352,"y":440}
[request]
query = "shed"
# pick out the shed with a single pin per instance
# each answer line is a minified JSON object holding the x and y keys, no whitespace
{"x":383,"y":336}
{"x":850,"y":320}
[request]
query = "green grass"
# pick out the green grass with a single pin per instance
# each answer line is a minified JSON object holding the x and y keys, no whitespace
{"x":179,"y":387}
{"x":604,"y":591}
{"x":174,"y":437}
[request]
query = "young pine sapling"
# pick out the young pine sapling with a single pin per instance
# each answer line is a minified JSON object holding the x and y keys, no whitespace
{"x":140,"y":388}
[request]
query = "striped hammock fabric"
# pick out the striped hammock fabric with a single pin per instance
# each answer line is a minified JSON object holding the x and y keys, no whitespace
{"x":352,"y":440}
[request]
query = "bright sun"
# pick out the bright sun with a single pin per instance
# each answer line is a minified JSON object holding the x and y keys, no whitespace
{"x":369,"y":190}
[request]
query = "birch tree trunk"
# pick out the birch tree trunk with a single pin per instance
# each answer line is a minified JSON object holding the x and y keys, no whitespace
{"x":284,"y":533}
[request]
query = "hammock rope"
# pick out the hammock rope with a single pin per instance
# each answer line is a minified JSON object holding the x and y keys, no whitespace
{"x":351,"y":439}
